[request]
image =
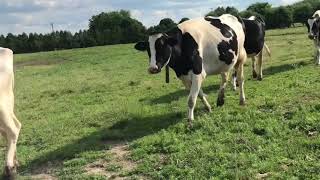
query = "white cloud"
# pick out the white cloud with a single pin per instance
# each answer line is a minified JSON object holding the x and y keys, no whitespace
{"x":286,"y":2}
{"x":19,"y":16}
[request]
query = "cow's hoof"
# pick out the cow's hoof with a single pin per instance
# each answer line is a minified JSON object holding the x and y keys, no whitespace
{"x":220,"y":102}
{"x":242,"y":103}
{"x":9,"y":173}
{"x":209,"y":109}
{"x":190,"y":125}
{"x":259,"y":78}
{"x":254,"y":74}
{"x":234,"y":88}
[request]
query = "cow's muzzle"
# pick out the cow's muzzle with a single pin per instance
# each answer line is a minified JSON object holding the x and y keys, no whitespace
{"x":311,"y":37}
{"x":154,"y":70}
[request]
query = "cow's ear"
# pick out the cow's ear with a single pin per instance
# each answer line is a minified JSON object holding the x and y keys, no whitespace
{"x":141,"y":46}
{"x":172,"y":41}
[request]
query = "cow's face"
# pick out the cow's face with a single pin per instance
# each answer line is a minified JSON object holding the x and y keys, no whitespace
{"x":313,"y":27}
{"x":159,"y":48}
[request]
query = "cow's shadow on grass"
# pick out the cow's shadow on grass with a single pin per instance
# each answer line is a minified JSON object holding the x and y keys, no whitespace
{"x":127,"y":129}
{"x":272,"y":70}
{"x":175,"y":96}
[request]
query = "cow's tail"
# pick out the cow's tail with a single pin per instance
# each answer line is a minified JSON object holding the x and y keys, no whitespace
{"x":267,"y":49}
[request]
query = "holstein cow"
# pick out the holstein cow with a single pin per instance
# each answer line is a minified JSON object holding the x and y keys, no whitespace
{"x":197,"y":48}
{"x":9,"y":124}
{"x":313,"y":25}
{"x":254,"y":43}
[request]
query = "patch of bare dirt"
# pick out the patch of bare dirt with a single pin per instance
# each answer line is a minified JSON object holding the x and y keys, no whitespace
{"x":45,"y":172}
{"x":38,"y":62}
{"x":117,"y":165}
{"x":43,"y":177}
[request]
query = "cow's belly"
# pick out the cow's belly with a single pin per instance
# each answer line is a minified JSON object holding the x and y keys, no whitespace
{"x":213,"y":65}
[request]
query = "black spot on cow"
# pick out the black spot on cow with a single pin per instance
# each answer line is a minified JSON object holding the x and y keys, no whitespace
{"x":225,"y":30}
{"x":185,"y":55}
{"x":225,"y":54}
{"x":225,"y":48}
{"x":242,"y":23}
{"x":190,"y":48}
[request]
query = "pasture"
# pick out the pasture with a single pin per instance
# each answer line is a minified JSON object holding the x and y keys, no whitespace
{"x":95,"y":113}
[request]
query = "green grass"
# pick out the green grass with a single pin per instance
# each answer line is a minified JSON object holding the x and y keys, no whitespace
{"x":75,"y":102}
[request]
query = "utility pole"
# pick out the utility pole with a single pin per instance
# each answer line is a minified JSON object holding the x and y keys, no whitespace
{"x":52,"y":27}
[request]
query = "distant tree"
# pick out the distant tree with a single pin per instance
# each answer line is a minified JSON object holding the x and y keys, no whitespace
{"x":183,"y":20}
{"x":280,"y":17}
{"x":2,"y":41}
{"x":247,"y":14}
{"x":164,"y":25}
{"x":302,"y":12}
{"x":217,"y":12}
{"x":260,"y":8}
{"x":221,"y":10}
{"x":115,"y":27}
{"x":232,"y":10}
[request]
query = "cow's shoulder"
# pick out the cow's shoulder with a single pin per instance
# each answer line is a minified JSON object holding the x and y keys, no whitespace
{"x":187,"y":52}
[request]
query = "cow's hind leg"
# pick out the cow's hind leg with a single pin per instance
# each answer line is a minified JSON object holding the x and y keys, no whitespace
{"x":194,"y":92}
{"x":224,"y":80}
{"x":254,"y":72}
{"x":240,"y":76}
{"x":18,"y":125}
{"x":260,"y":61}
{"x":11,"y":132}
{"x":204,"y":100}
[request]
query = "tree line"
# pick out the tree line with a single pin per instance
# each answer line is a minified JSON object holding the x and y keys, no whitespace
{"x":119,"y":27}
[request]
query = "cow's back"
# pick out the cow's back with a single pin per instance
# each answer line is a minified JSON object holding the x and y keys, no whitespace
{"x":208,"y":37}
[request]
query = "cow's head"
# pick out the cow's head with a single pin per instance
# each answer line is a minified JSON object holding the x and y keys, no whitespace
{"x":159,"y":48}
{"x":313,"y":25}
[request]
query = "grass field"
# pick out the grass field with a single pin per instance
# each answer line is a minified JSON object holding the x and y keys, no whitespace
{"x":95,"y":113}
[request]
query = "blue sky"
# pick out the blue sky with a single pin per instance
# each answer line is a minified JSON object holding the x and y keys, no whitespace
{"x":19,"y":16}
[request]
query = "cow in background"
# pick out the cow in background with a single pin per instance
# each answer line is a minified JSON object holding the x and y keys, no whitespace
{"x":313,"y":25}
{"x":254,"y":44}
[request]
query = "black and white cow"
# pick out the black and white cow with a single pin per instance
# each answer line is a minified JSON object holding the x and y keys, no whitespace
{"x":313,"y":25}
{"x":255,"y":43}
{"x":197,"y":48}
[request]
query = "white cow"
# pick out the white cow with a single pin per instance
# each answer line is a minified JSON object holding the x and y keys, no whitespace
{"x":9,"y":124}
{"x":314,"y":33}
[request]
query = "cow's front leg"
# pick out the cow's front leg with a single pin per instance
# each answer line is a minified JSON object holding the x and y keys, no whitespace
{"x":224,"y":80}
{"x":234,"y":80}
{"x":194,"y":92}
